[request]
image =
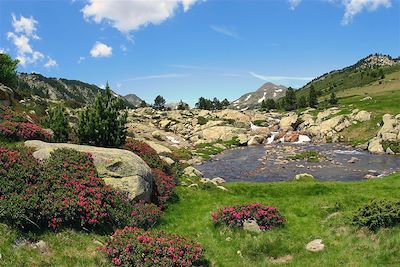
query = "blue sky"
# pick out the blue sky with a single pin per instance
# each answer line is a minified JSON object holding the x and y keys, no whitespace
{"x":184,"y":49}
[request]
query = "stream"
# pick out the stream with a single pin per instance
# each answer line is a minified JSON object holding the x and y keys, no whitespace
{"x":270,"y":163}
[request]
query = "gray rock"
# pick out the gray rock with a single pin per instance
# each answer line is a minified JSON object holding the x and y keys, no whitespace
{"x":121,"y":169}
{"x":251,"y":226}
{"x":315,"y":245}
{"x":192,"y":172}
{"x":41,"y":246}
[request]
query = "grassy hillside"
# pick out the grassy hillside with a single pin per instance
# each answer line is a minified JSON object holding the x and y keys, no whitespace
{"x":357,"y":75}
{"x":312,"y":210}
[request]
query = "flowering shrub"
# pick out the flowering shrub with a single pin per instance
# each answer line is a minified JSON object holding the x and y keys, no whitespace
{"x":23,"y":130}
{"x":147,"y":153}
{"x":135,"y":247}
{"x":266,"y":217}
{"x":7,"y":114}
{"x":65,"y":191}
{"x":164,"y":187}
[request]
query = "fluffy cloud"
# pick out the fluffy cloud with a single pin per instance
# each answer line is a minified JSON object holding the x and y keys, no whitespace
{"x":294,"y":3}
{"x":130,"y":15}
{"x":353,"y":7}
{"x":101,"y":50}
{"x":25,"y":26}
{"x":51,"y":63}
{"x":24,"y":32}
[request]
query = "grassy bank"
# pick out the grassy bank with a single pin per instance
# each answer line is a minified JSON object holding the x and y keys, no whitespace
{"x":312,"y":210}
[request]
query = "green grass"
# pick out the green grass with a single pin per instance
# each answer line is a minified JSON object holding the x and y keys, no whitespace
{"x":206,"y":150}
{"x":312,"y":210}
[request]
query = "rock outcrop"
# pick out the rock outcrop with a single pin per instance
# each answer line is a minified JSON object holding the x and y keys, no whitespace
{"x":6,"y":95}
{"x":121,"y":169}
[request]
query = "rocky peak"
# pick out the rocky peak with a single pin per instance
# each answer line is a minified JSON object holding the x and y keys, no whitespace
{"x":376,"y":61}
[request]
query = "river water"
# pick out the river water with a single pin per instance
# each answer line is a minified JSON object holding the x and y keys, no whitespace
{"x":269,"y":163}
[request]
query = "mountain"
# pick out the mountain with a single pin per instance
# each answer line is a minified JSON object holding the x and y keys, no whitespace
{"x":254,"y":99}
{"x":370,"y":69}
{"x":75,"y":93}
{"x":133,"y":99}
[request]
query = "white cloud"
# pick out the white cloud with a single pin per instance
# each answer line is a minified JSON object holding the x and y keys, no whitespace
{"x":101,"y":50}
{"x":25,"y":26}
{"x":81,"y":59}
{"x":279,"y":78}
{"x":123,"y":48}
{"x":353,"y":7}
{"x":225,"y":31}
{"x":130,"y":15}
{"x":24,"y":32}
{"x":294,"y":3}
{"x":157,"y":76}
{"x":50,"y":63}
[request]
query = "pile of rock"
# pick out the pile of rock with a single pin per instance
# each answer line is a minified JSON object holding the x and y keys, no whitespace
{"x":390,"y":131}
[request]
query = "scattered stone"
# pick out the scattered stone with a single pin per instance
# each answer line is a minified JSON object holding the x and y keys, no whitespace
{"x":41,"y":246}
{"x":158,"y":135}
{"x":390,"y":151}
{"x":315,"y":245}
{"x":19,"y":242}
{"x":281,"y":260}
{"x":366,"y":98}
{"x":222,"y":188}
{"x":363,"y":116}
{"x":168,"y":160}
{"x":228,"y":238}
{"x":255,"y":140}
{"x":98,"y":243}
{"x":218,"y":180}
{"x":193,"y":185}
{"x":370,"y":176}
{"x":304,"y":177}
{"x":353,"y":160}
{"x":251,"y":226}
{"x":192,"y":172}
{"x":375,"y":145}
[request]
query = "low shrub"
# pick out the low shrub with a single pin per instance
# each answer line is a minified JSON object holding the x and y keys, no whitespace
{"x":201,"y":120}
{"x":378,"y":214}
{"x":310,"y":156}
{"x":147,"y":153}
{"x":135,"y":247}
{"x":64,"y":192}
{"x":23,"y":131}
{"x":7,"y":114}
{"x":164,"y":187}
{"x":393,"y":145}
{"x":267,"y":217}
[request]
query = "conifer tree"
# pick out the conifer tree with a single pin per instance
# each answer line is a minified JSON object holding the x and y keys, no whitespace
{"x":333,"y":100}
{"x":59,"y":123}
{"x":103,"y":123}
{"x":313,"y":98}
{"x":290,"y":99}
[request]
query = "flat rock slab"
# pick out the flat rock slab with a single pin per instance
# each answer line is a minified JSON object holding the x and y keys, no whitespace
{"x":121,"y":169}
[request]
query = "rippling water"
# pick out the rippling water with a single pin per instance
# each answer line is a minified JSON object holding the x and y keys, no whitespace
{"x":268,"y":163}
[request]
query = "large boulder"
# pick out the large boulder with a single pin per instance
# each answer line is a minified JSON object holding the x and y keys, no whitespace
{"x":6,"y":95}
{"x":287,"y":122}
{"x":121,"y":169}
{"x":375,"y":145}
{"x":224,"y":133}
{"x":362,"y":116}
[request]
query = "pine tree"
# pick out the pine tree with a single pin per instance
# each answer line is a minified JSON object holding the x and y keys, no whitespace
{"x":313,"y":98}
{"x":301,"y":102}
{"x":8,"y":70}
{"x":332,"y":100}
{"x":159,"y":103}
{"x":268,"y":104}
{"x":143,"y":104}
{"x":182,"y":105}
{"x":103,"y":123}
{"x":59,"y":123}
{"x":290,"y":99}
{"x":225,"y":103}
{"x":217,"y":104}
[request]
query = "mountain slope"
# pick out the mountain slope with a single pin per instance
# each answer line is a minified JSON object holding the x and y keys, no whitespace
{"x":367,"y":70}
{"x":254,"y":99}
{"x":57,"y":89}
{"x":133,"y":99}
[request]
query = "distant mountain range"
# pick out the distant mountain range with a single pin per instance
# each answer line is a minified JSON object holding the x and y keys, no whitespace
{"x":75,"y":92}
{"x":254,"y":99}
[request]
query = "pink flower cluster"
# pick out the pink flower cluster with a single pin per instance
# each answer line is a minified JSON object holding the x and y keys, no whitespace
{"x":266,"y":217}
{"x":135,"y":247}
{"x":23,"y":130}
{"x":165,"y":187}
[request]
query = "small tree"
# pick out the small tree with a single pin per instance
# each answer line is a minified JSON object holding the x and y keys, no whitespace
{"x":268,"y":104}
{"x":301,"y":102}
{"x":183,"y":106}
{"x":290,"y":99}
{"x":143,"y":104}
{"x":333,"y":100}
{"x":8,"y":70}
{"x":313,"y":98}
{"x":217,"y":104}
{"x":59,"y":123}
{"x":103,"y":124}
{"x":225,"y":103}
{"x":159,"y":103}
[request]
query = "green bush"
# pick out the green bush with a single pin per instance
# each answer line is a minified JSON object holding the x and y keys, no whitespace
{"x":393,"y":145}
{"x":378,"y":214}
{"x":59,"y":123}
{"x":310,"y":156}
{"x":201,"y":120}
{"x":103,"y":124}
